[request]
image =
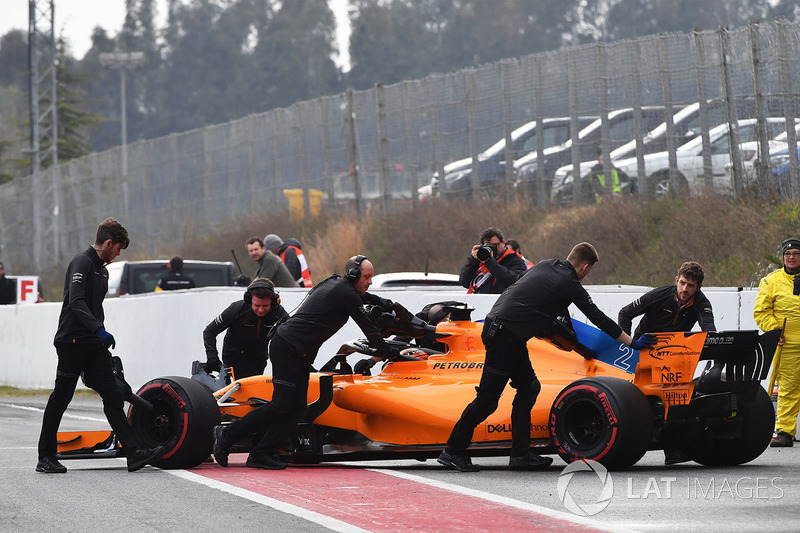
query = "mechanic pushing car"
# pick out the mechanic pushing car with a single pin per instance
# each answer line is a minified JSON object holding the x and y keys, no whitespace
{"x":248,"y":322}
{"x":778,"y":305}
{"x":292,"y":350}
{"x":491,"y":265}
{"x":82,"y":344}
{"x":675,"y":307}
{"x":525,"y":310}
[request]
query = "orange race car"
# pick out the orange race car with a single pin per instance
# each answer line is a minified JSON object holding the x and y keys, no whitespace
{"x":600,"y":400}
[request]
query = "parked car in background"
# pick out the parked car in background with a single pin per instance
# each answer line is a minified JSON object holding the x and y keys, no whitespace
{"x":137,"y":277}
{"x":415,"y":280}
{"x":689,"y":174}
{"x":686,"y":126}
{"x":458,"y":174}
{"x":588,"y":141}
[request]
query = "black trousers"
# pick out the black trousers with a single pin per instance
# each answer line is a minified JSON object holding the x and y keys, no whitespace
{"x":289,"y":401}
{"x":506,"y":359}
{"x":94,"y":360}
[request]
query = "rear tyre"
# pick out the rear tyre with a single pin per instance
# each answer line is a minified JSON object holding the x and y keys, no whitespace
{"x":602,"y":419}
{"x":757,"y":422}
{"x":183,"y":416}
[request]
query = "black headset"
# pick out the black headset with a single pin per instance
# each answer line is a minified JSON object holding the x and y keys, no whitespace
{"x":262,"y":284}
{"x":354,"y":273}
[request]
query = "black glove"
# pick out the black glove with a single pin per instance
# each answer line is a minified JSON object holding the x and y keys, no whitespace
{"x":106,"y":338}
{"x":242,"y":281}
{"x":644,"y":341}
{"x":213,"y":365}
{"x":384,"y":303}
{"x":363,"y":367}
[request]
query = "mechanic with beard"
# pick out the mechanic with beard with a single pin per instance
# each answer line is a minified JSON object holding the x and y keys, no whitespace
{"x":248,"y":323}
{"x":525,"y":310}
{"x":778,"y":304}
{"x":82,"y":345}
{"x":292,"y":350}
{"x":494,"y":274}
{"x":672,"y":308}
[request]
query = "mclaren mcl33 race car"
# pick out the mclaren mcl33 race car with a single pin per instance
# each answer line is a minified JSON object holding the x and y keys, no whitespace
{"x":600,"y":400}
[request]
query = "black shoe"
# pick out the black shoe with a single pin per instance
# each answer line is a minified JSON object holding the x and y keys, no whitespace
{"x":529,"y":461}
{"x":782,"y":440}
{"x":49,"y":465}
{"x":267,"y":462}
{"x":458,"y":461}
{"x":144,"y":456}
{"x":674,"y":457}
{"x":222,"y":447}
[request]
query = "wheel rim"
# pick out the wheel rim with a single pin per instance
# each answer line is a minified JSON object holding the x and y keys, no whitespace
{"x":160,"y":425}
{"x":663,"y":188}
{"x":585,"y":425}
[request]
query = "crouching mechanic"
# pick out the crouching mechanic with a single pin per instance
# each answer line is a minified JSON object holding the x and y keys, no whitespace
{"x":292,"y":350}
{"x":672,"y":308}
{"x":526,"y":309}
{"x":248,"y":322}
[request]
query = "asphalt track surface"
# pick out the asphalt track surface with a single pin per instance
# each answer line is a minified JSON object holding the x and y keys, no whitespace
{"x":380,"y":496}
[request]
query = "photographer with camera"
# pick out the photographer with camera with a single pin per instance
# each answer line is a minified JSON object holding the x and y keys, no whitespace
{"x":491,"y":266}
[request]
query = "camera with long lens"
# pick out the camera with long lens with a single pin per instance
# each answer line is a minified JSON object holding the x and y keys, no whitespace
{"x":486,"y":251}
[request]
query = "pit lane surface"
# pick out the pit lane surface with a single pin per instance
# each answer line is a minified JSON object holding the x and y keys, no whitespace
{"x":379,"y":496}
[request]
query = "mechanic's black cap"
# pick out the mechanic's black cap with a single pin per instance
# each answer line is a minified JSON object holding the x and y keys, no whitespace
{"x":792,"y":243}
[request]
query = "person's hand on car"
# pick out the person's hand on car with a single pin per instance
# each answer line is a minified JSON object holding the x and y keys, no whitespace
{"x":644,"y":341}
{"x":213,"y":364}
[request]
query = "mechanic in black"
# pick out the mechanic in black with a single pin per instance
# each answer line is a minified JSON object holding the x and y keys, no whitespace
{"x":493,"y":275}
{"x":8,"y":288}
{"x":292,"y":350}
{"x":82,"y":344}
{"x":672,"y":307}
{"x":248,"y":322}
{"x":175,"y":279}
{"x":526,"y":309}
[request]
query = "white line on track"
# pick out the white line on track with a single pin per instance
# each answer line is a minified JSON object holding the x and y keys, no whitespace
{"x":505,"y":501}
{"x":311,"y":516}
{"x":40,"y":410}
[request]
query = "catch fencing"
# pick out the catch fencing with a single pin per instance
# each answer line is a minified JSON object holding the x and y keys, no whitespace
{"x":372,"y":149}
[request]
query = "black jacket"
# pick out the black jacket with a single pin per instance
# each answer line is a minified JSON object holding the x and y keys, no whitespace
{"x":543,"y":293}
{"x":503,"y":272}
{"x":663,"y":313}
{"x":8,"y":290}
{"x":325,"y":310}
{"x":85,"y":287}
{"x":173,"y":281}
{"x":247,"y":332}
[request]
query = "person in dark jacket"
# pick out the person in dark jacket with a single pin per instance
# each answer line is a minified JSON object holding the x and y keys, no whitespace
{"x":672,"y":307}
{"x":292,"y":351}
{"x":248,"y":322}
{"x":175,"y":279}
{"x":495,"y":273}
{"x":82,"y":344}
{"x":291,"y":253}
{"x":527,"y":309}
{"x":8,"y":288}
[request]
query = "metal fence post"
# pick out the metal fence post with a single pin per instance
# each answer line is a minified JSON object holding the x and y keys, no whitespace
{"x":762,"y":159}
{"x":702,"y":99}
{"x":786,"y":88}
{"x":352,"y":145}
{"x":383,"y":167}
{"x":574,"y":127}
{"x":411,"y":165}
{"x":472,"y":133}
{"x":733,"y":121}
{"x":509,"y":154}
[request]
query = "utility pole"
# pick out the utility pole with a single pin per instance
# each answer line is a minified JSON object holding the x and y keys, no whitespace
{"x":42,"y":75}
{"x":123,"y":61}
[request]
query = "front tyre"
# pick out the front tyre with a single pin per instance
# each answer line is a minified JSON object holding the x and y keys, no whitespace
{"x":602,"y":419}
{"x":183,"y":416}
